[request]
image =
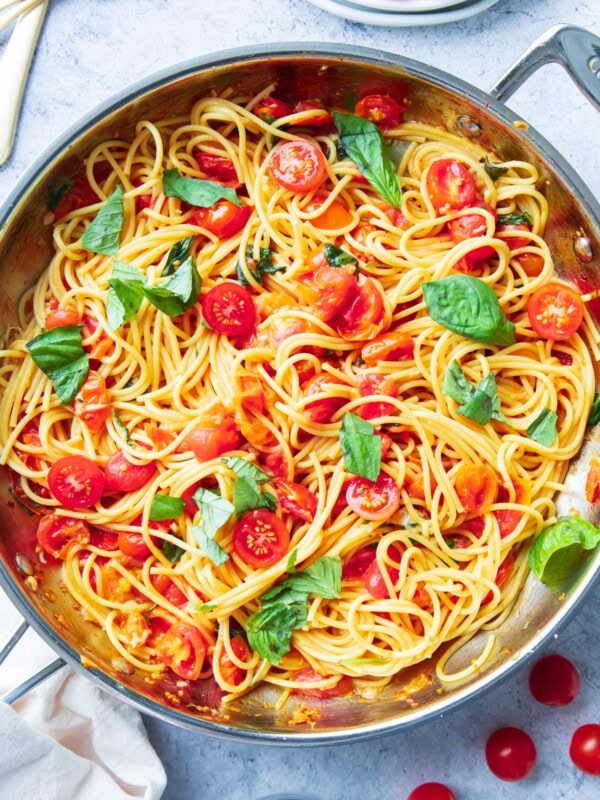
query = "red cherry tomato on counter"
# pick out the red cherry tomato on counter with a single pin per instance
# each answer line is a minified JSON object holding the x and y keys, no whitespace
{"x":373,"y":499}
{"x":585,"y":748}
{"x":554,"y":680}
{"x":260,"y":538}
{"x":555,"y":311}
{"x":450,"y":184}
{"x":510,"y":754}
{"x":431,"y":791}
{"x":122,"y":476}
{"x":76,"y":482}
{"x":297,"y":166}
{"x":229,"y":309}
{"x":381,"y":109}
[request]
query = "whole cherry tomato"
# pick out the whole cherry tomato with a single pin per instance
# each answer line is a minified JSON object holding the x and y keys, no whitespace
{"x":510,"y":754}
{"x":431,"y":791}
{"x":554,"y":680}
{"x":585,"y":748}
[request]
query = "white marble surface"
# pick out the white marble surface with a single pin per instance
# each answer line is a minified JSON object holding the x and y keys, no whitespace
{"x":89,"y":51}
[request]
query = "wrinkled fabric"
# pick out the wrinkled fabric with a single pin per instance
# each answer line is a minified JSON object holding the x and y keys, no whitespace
{"x":67,"y":739}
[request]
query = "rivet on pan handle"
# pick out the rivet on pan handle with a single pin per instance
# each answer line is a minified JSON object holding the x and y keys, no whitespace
{"x":34,"y":680}
{"x":576,"y":49}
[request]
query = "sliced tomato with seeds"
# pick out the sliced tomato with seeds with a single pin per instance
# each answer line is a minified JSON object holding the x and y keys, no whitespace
{"x":92,"y":402}
{"x":449,"y":184}
{"x":381,"y":109}
{"x":343,"y":686}
{"x":371,"y":383}
{"x":364,"y":316}
{"x":373,"y":499}
{"x":298,"y":166}
{"x":183,"y":649}
{"x":231,"y":672}
{"x":260,"y":538}
{"x":223,"y":219}
{"x":229,"y":309}
{"x":296,"y":499}
{"x":76,"y":481}
{"x":555,"y":311}
{"x":122,"y":476}
{"x":57,"y":534}
{"x":476,"y":486}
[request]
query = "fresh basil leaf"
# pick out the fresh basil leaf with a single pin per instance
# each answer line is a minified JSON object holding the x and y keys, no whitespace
{"x":195,"y":191}
{"x":166,"y":507}
{"x":336,"y":257}
{"x":456,"y":385}
{"x":269,"y":631}
{"x":103,"y":234}
{"x":484,"y":404}
{"x":58,"y":189}
{"x":245,"y":469}
{"x":214,"y":509}
{"x":60,"y":355}
{"x":361,"y":447}
{"x":495,"y":169}
{"x":179,"y":293}
{"x":469,"y":307}
{"x":515,"y":219}
{"x":211,"y":549}
{"x":364,"y":144}
{"x":594,"y":417}
{"x":172,"y":552}
{"x":248,"y":497}
{"x":177,"y":255}
{"x":556,"y":553}
{"x":543,"y":428}
{"x":125,"y":294}
{"x":322,"y":578}
{"x":258,"y":269}
{"x":124,"y":429}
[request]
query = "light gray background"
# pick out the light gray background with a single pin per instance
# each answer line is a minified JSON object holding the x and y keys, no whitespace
{"x":89,"y":51}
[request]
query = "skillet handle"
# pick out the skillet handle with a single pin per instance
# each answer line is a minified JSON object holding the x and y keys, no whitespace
{"x":34,"y":680}
{"x":576,"y":49}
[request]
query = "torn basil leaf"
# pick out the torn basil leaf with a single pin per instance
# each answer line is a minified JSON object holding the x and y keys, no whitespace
{"x":103,"y":234}
{"x":177,"y":255}
{"x":594,"y":417}
{"x":543,"y":428}
{"x":479,"y":403}
{"x":515,"y":219}
{"x":336,"y":257}
{"x":258,"y":268}
{"x":214,"y":510}
{"x":165,"y":507}
{"x":247,"y":497}
{"x":180,"y":292}
{"x":495,"y":169}
{"x":195,"y":191}
{"x":125,"y":294}
{"x":558,"y":551}
{"x":361,"y":447}
{"x":60,"y":355}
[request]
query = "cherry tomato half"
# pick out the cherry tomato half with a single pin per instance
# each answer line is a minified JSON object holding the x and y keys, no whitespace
{"x":363,"y":317}
{"x":59,"y":317}
{"x":260,"y":538}
{"x":328,"y":290}
{"x":381,"y":109}
{"x":554,"y":680}
{"x":296,"y":499}
{"x":476,"y":486}
{"x":223,"y":219}
{"x":229,"y":309}
{"x":389,"y":346}
{"x":370,"y":383}
{"x":169,"y":589}
{"x":431,"y":791}
{"x":336,"y":215}
{"x":297,"y":166}
{"x":56,"y":534}
{"x":92,"y":402}
{"x":270,"y":108}
{"x":322,"y":410}
{"x":585,"y":748}
{"x":359,"y":562}
{"x":183,"y":649}
{"x":555,"y":311}
{"x":218,"y":168}
{"x":120,"y":475}
{"x":76,"y":482}
{"x":373,"y":579}
{"x":320,"y":119}
{"x":231,"y":672}
{"x":373,"y":499}
{"x":450,"y":184}
{"x":510,"y":754}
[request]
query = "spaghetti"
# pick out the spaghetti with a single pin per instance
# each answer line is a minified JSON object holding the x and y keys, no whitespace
{"x":314,"y":470}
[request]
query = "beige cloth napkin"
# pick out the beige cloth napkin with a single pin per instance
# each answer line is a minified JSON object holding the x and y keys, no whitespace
{"x":67,"y":739}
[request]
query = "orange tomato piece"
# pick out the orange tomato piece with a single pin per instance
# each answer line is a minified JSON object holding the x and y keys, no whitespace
{"x":592,"y":483}
{"x":508,"y":519}
{"x":476,"y":486}
{"x":388,"y":346}
{"x":336,"y":215}
{"x":92,"y":402}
